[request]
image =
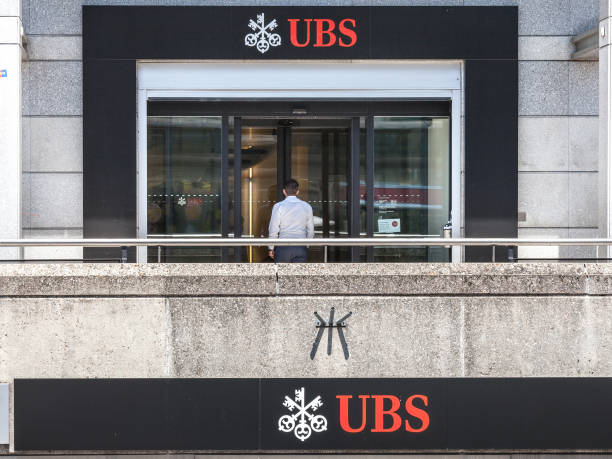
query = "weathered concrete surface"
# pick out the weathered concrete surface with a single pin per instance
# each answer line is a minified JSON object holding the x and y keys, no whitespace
{"x":435,"y":279}
{"x":527,"y":336}
{"x":83,"y":337}
{"x":273,"y":337}
{"x":192,"y":280}
{"x":394,"y":337}
{"x":257,"y":321}
{"x":103,"y":321}
{"x":181,"y":279}
{"x":321,"y":456}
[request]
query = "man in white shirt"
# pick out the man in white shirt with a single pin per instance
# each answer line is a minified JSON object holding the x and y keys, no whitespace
{"x":291,"y":218}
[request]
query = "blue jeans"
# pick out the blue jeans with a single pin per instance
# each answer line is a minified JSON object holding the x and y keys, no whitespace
{"x":290,"y":254}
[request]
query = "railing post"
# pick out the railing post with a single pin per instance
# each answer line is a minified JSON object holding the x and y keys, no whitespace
{"x":124,"y":254}
{"x":493,"y":257}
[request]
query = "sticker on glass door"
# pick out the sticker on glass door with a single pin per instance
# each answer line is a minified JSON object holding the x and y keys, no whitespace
{"x":389,"y":225}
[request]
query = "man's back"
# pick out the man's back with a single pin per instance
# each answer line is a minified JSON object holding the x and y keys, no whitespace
{"x":291,"y":218}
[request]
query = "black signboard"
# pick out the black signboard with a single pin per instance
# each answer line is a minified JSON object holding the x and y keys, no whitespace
{"x":283,"y":32}
{"x":116,"y":37}
{"x":320,"y":415}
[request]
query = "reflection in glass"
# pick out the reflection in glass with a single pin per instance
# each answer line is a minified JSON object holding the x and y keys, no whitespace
{"x":184,"y":183}
{"x":411,"y":184}
{"x":315,"y":153}
{"x":319,"y":162}
{"x":259,"y":188}
{"x":411,"y":181}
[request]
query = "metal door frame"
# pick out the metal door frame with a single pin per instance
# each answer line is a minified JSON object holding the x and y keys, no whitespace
{"x":385,"y":83}
{"x":237,"y":110}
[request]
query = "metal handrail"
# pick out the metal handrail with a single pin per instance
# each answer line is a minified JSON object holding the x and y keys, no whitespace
{"x":317,"y":242}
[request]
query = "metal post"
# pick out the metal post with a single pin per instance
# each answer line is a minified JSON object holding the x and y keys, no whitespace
{"x":605,"y":128}
{"x":354,"y":205}
{"x":124,"y":254}
{"x":493,"y":257}
{"x":237,"y":185}
{"x":224,"y":183}
{"x":325,"y":254}
{"x":159,"y":253}
{"x":281,"y":157}
{"x":370,"y":184}
{"x":169,"y":186}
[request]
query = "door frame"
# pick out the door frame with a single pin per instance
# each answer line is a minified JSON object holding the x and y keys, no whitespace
{"x":363,"y":82}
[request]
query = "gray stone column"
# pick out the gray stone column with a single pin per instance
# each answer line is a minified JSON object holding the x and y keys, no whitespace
{"x":605,"y":120}
{"x":11,"y":31}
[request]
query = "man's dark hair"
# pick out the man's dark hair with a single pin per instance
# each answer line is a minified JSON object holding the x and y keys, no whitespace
{"x":291,"y":186}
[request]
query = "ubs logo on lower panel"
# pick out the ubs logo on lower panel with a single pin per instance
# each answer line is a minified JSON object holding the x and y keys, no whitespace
{"x":302,"y":420}
{"x":389,"y":414}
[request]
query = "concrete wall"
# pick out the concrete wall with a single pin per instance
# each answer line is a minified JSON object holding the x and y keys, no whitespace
{"x":558,"y":108}
{"x":237,"y":320}
{"x":409,"y":320}
{"x":257,"y":321}
{"x":323,"y":456}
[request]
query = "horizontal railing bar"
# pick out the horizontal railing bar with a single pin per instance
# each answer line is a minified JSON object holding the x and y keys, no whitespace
{"x":317,"y":242}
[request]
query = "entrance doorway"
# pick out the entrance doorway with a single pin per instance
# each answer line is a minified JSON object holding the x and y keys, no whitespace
{"x":368,"y":169}
{"x":315,"y":152}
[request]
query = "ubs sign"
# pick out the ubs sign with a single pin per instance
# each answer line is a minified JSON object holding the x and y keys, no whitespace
{"x":319,"y":415}
{"x":303,"y":418}
{"x":315,"y":32}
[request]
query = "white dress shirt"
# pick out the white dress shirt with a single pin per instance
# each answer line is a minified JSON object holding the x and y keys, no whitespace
{"x":291,"y":218}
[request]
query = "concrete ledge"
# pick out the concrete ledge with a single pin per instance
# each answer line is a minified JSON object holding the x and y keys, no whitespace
{"x":437,"y":279}
{"x":136,"y":280}
{"x":313,"y":279}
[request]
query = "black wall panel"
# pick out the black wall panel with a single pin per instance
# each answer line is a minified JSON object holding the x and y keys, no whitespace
{"x":136,"y":414}
{"x":491,"y":159}
{"x":384,"y":32}
{"x":443,"y":33}
{"x":109,"y":144}
{"x":115,"y":37}
{"x":456,"y":414}
{"x":529,"y":414}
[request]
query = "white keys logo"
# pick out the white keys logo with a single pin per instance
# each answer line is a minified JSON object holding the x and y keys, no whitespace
{"x":262,"y":36}
{"x":302,"y":423}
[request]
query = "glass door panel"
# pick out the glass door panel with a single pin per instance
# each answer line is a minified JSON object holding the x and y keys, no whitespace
{"x":184,"y":184}
{"x":314,"y":152}
{"x":259,"y":181}
{"x":320,"y":164}
{"x":411,"y":184}
{"x":408,"y":169}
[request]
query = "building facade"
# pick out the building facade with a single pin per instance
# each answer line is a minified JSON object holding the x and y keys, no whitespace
{"x":155,"y":118}
{"x":557,"y":137}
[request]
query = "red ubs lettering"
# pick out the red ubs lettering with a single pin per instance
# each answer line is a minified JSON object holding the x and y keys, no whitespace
{"x":387,"y":413}
{"x":325,"y":34}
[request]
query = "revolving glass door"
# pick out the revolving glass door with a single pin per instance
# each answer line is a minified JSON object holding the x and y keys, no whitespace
{"x":315,"y":152}
{"x":368,"y":169}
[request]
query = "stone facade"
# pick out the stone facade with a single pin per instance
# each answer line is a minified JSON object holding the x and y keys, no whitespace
{"x":558,"y":127}
{"x":558,"y":124}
